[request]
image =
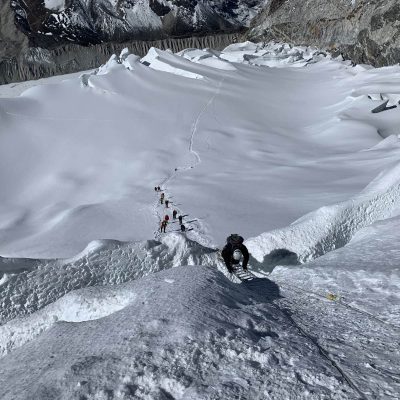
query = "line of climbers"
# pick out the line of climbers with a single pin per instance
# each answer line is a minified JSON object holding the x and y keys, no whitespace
{"x":234,"y":252}
{"x":164,"y":222}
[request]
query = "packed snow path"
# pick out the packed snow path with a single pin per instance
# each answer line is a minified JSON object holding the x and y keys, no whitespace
{"x":177,"y":170}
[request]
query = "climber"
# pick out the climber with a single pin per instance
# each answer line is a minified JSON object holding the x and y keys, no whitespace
{"x":163,"y":226}
{"x":166,"y":203}
{"x":183,"y":228}
{"x":174,"y":213}
{"x":234,"y":252}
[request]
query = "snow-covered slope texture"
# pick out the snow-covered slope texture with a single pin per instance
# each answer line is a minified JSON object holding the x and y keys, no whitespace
{"x":236,"y":146}
{"x":185,"y":333}
{"x":274,"y":142}
{"x":29,"y":285}
{"x":91,"y":22}
{"x":349,"y":301}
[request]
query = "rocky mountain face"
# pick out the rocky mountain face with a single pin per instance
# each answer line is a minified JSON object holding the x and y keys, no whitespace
{"x":42,"y":37}
{"x":363,"y":31}
{"x":37,"y":35}
{"x":12,"y":41}
{"x":53,"y":22}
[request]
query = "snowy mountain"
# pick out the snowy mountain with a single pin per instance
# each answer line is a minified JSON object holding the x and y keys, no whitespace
{"x":91,"y":22}
{"x":275,"y":142}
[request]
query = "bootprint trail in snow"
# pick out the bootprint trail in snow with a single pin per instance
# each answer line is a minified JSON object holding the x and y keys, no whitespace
{"x":164,"y":183}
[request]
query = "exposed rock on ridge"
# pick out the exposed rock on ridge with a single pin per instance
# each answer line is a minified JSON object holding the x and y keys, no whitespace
{"x":363,"y":31}
{"x":53,"y":22}
{"x":35,"y":33}
{"x":12,"y":41}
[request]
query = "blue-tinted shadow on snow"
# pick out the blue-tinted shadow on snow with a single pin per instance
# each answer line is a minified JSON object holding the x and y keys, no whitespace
{"x":262,"y":290}
{"x":271,"y":260}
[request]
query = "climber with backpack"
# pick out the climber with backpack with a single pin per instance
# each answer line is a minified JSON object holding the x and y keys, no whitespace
{"x":235,"y":252}
{"x":163,"y":226}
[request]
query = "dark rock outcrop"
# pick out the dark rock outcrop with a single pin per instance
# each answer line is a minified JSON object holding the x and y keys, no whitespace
{"x":12,"y":41}
{"x":363,"y":31}
{"x":37,"y":37}
{"x":86,"y":22}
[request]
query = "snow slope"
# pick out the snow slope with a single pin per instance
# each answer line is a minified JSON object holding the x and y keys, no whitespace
{"x":192,"y":334}
{"x":268,"y":145}
{"x":274,"y":142}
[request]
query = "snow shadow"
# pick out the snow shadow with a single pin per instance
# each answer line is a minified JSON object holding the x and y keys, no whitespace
{"x":274,"y":258}
{"x":263,"y":289}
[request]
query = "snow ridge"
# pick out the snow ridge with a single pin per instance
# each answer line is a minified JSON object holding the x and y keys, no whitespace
{"x":194,"y":319}
{"x":332,"y":227}
{"x":102,"y":263}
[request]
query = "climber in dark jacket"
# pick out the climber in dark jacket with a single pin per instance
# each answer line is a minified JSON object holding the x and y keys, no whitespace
{"x":234,"y":252}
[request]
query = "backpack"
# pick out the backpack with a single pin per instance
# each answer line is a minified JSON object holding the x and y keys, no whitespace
{"x":234,"y":240}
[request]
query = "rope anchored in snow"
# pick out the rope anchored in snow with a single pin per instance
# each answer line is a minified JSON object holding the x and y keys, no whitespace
{"x":339,"y":300}
{"x":325,"y":354}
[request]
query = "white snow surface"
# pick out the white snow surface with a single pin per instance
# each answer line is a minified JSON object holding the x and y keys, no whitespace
{"x":277,"y":143}
{"x":55,"y":5}
{"x":267,"y":146}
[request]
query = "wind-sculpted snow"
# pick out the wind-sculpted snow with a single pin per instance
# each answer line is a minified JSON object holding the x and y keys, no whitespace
{"x":349,"y":301}
{"x":185,"y":333}
{"x":364,"y":273}
{"x":186,"y":119}
{"x":332,"y":227}
{"x":75,"y":306}
{"x":102,"y":263}
{"x":40,"y":63}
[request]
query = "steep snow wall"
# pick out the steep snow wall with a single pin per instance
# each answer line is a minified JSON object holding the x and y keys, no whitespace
{"x":363,"y":31}
{"x":330,"y":227}
{"x":38,"y":63}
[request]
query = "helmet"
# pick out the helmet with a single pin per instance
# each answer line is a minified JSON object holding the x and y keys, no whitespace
{"x":237,"y":255}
